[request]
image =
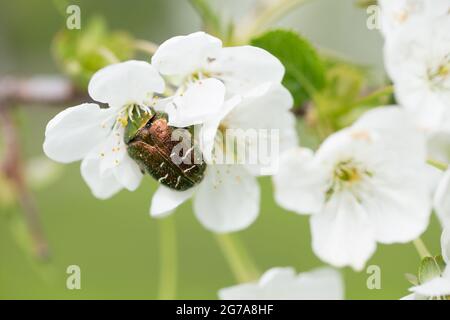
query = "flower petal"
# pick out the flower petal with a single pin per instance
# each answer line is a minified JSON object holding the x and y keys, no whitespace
{"x":300,"y":185}
{"x":246,"y":67}
{"x":209,"y":130}
{"x":262,"y":127}
{"x":227,"y":199}
{"x":112,"y":157}
{"x":387,"y":122}
{"x":165,"y":200}
{"x":184,"y":55}
{"x":342,"y":234}
{"x":128,"y":173}
{"x":442,"y":200}
{"x":72,"y":133}
{"x":201,"y":101}
{"x":103,"y":186}
{"x":284,"y":284}
{"x":437,"y":287}
{"x":126,"y":83}
{"x":400,"y":212}
{"x":321,"y":284}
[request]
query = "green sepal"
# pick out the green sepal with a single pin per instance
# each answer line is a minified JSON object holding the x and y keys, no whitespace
{"x":430,"y":268}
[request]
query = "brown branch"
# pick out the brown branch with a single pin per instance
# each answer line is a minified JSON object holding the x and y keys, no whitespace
{"x":38,"y":90}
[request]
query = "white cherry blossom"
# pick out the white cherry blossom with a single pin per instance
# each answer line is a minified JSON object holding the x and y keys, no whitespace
{"x":228,"y":197}
{"x":285,"y":284}
{"x":417,"y":59}
{"x":395,"y":14}
{"x":437,"y":288}
{"x":366,"y":184}
{"x":204,"y":75}
{"x":95,"y":135}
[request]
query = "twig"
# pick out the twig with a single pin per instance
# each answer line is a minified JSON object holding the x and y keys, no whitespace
{"x":38,"y":90}
{"x":12,"y":166}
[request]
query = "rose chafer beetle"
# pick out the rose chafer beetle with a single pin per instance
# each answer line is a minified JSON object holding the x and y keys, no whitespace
{"x":168,"y":154}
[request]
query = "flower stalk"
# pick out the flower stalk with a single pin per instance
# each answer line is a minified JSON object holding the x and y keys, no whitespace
{"x":437,"y":164}
{"x":421,"y":248}
{"x":237,"y":257}
{"x":168,"y":259}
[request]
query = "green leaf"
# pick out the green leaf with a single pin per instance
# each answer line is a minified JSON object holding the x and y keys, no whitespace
{"x":305,"y":70}
{"x":430,"y":268}
{"x":79,"y":52}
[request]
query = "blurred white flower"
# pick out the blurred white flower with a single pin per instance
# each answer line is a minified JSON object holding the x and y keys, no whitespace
{"x":285,"y":284}
{"x":205,"y":74}
{"x":228,"y":197}
{"x":96,"y":135}
{"x":395,"y":14}
{"x":417,"y":59}
{"x":437,"y":288}
{"x":366,"y":184}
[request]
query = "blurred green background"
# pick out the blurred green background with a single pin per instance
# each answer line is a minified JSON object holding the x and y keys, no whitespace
{"x":115,"y":242}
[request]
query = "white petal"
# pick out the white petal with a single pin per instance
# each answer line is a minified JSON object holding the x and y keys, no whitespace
{"x":436,"y":287}
{"x":201,"y":101}
{"x":228,"y":199}
{"x":277,"y":275}
{"x":263,"y":126}
{"x":103,"y":186}
{"x":126,"y":83}
{"x":411,"y":296}
{"x":445,"y":245}
{"x":246,"y":67}
{"x":416,"y":51}
{"x":112,"y":157}
{"x":284,"y":284}
{"x":342,"y":234}
{"x":442,"y":200}
{"x":72,"y":133}
{"x":208,"y":131}
{"x":165,"y":200}
{"x":184,"y":55}
{"x":438,"y":145}
{"x":128,"y":173}
{"x":322,"y":284}
{"x":300,"y":184}
{"x":402,"y":141}
{"x":399,"y":211}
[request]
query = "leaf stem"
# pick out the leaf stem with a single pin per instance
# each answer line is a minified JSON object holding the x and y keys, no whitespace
{"x":387,"y":90}
{"x":146,"y":46}
{"x":237,"y":257}
{"x":421,"y":248}
{"x":437,"y":164}
{"x":268,"y":15}
{"x":168,"y":259}
{"x":108,"y":55}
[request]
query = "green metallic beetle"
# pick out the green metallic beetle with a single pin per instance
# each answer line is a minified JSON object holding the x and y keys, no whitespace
{"x":175,"y":163}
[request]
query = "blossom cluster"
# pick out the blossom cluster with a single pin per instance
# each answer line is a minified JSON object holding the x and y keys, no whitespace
{"x":368,"y":183}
